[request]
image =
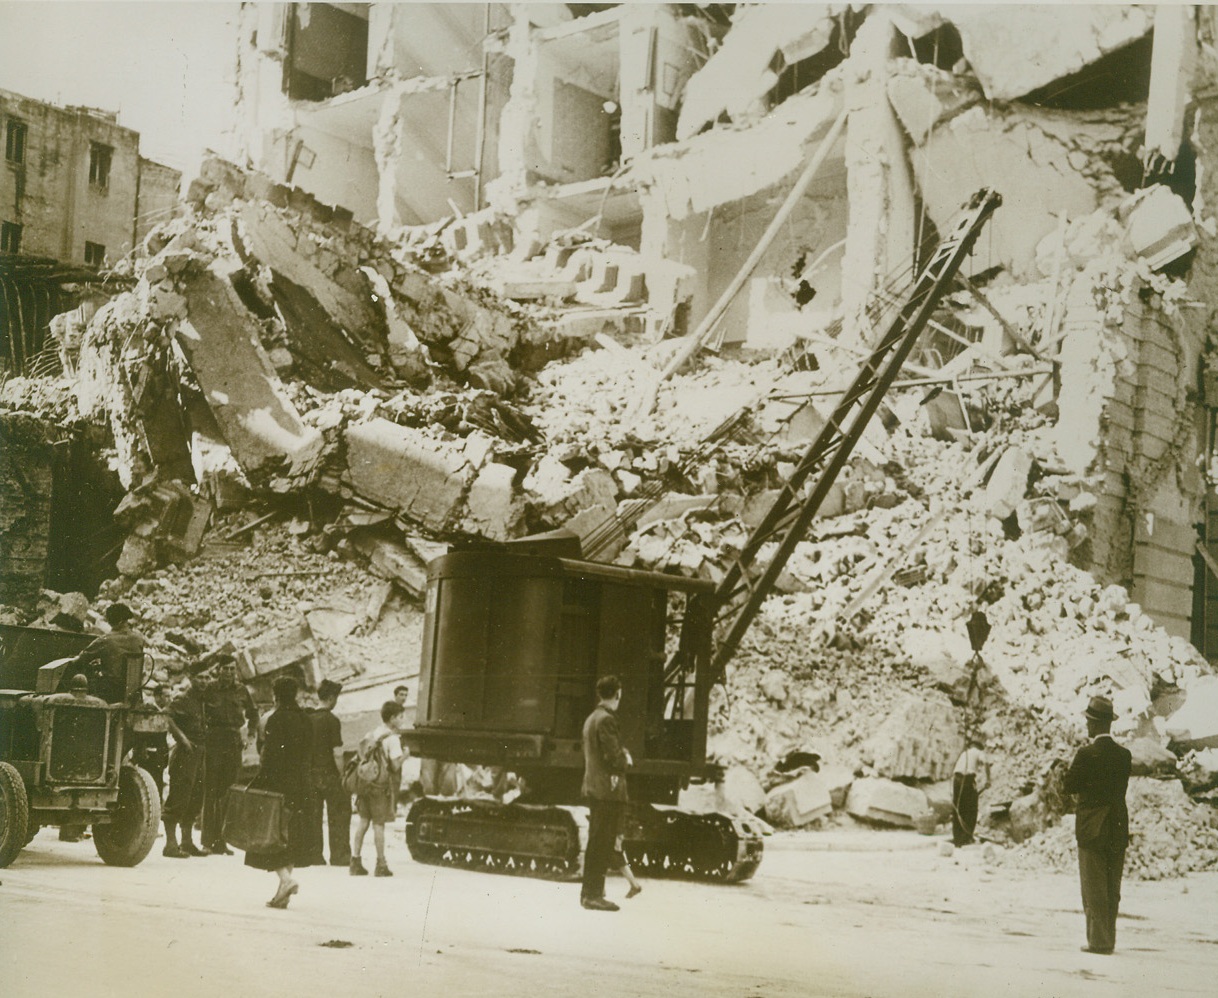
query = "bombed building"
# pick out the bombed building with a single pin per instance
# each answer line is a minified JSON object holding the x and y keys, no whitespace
{"x":477,"y":272}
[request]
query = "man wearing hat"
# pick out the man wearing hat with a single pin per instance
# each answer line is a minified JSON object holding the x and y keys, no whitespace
{"x":1099,"y":777}
{"x":106,"y":659}
{"x":77,"y":694}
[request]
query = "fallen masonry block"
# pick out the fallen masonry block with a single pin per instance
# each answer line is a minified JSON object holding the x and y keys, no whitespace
{"x":742,"y":791}
{"x":1150,"y":758}
{"x":407,"y":470}
{"x":1008,"y":483}
{"x":920,"y":740}
{"x":1014,"y":50}
{"x":837,"y":780}
{"x":391,"y":559}
{"x":939,"y":796}
{"x":492,"y":508}
{"x":1159,"y":225}
{"x":1028,"y":815}
{"x":294,"y":649}
{"x":886,"y":802}
{"x":260,"y":425}
{"x":675,"y":505}
{"x":181,"y":517}
{"x":599,"y":532}
{"x":798,"y":803}
{"x":1195,"y":724}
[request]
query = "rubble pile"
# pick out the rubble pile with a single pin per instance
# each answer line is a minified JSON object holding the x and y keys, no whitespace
{"x":1169,"y":836}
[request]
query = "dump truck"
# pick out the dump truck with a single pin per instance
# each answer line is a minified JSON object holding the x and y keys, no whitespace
{"x":516,"y":635}
{"x":62,"y":763}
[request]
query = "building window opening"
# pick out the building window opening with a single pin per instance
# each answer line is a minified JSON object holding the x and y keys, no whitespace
{"x":95,"y":254}
{"x":100,"y":157}
{"x":327,"y":50}
{"x":14,"y":141}
{"x":10,"y":237}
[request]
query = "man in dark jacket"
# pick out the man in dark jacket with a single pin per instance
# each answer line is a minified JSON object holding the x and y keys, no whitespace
{"x":1099,"y":776}
{"x":226,"y":704}
{"x":604,"y":786}
{"x":328,"y":793}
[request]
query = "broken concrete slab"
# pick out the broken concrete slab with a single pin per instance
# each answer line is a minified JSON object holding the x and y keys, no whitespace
{"x":1159,"y":225}
{"x":887,"y":802}
{"x":920,"y":739}
{"x":737,"y":77}
{"x":923,"y":96}
{"x":294,"y":649}
{"x":219,"y":339}
{"x":1014,"y":50}
{"x":1195,"y":724}
{"x":1150,"y":758}
{"x":1039,"y":180}
{"x":493,"y":509}
{"x":410,"y":471}
{"x":1008,"y":483}
{"x":261,"y":234}
{"x":800,"y":802}
{"x":391,"y":558}
{"x":742,"y":790}
{"x":686,"y":178}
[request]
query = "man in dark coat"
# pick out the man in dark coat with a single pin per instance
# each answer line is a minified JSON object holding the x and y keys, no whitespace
{"x":1099,"y":776}
{"x":604,"y":786}
{"x":226,"y":704}
{"x":328,"y":793}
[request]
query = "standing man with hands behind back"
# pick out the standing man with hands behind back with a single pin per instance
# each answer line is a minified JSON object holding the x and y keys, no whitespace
{"x":1099,"y":776}
{"x":604,"y":786}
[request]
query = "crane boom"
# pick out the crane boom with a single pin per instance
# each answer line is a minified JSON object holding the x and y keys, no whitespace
{"x":788,"y":518}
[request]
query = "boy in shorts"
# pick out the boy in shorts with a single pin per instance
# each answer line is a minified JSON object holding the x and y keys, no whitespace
{"x":374,"y":802}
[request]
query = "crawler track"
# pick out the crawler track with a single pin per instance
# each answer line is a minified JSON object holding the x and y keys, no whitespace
{"x":547,"y":841}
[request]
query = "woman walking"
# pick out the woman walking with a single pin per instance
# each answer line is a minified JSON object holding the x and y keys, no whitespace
{"x":286,"y":755}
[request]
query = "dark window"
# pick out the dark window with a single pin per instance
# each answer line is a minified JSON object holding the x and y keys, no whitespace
{"x":99,"y":164}
{"x":327,"y":51}
{"x":10,"y":237}
{"x":14,"y":141}
{"x":95,"y":254}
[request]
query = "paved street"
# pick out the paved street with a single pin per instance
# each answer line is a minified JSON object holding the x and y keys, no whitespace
{"x":835,"y":913}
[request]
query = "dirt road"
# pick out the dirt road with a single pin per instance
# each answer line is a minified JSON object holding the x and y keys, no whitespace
{"x":849,"y":914}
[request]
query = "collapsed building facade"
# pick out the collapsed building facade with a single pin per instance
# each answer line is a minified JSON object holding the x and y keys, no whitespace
{"x":476,"y":272}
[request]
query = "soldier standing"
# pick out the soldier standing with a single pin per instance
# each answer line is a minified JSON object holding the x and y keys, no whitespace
{"x":604,"y":788}
{"x":185,"y":797}
{"x":226,"y":704}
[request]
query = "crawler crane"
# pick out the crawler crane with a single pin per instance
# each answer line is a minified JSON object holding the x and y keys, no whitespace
{"x":516,"y":635}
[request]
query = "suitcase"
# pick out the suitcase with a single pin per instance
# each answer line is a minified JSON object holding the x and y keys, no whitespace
{"x":255,"y":820}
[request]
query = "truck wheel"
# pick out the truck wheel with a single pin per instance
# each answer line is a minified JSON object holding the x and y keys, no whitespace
{"x":127,"y":838}
{"x":14,"y":814}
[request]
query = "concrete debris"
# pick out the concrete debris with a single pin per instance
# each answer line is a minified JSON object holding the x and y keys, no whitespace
{"x":1151,"y":759}
{"x":1014,"y":51}
{"x":886,"y":802}
{"x":1169,"y":836}
{"x":294,"y":649}
{"x":736,"y":79}
{"x":1195,"y":725}
{"x":412,"y":471}
{"x":220,"y":343}
{"x":920,"y":740}
{"x":798,"y":803}
{"x":1159,"y":225}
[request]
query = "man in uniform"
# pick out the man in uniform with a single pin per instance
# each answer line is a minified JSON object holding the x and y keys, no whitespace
{"x":604,"y":786}
{"x":150,"y":749}
{"x":226,"y":704}
{"x":1099,"y":776}
{"x":328,"y":792}
{"x":105,"y":661}
{"x":185,"y":797}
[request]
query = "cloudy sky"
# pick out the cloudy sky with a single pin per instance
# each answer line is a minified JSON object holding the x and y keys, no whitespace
{"x":166,"y":67}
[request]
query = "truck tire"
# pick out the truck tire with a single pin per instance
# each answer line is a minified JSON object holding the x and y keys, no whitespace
{"x":14,"y":814}
{"x":128,"y":837}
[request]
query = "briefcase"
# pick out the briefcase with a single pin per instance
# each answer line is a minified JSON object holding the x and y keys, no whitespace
{"x":255,"y":820}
